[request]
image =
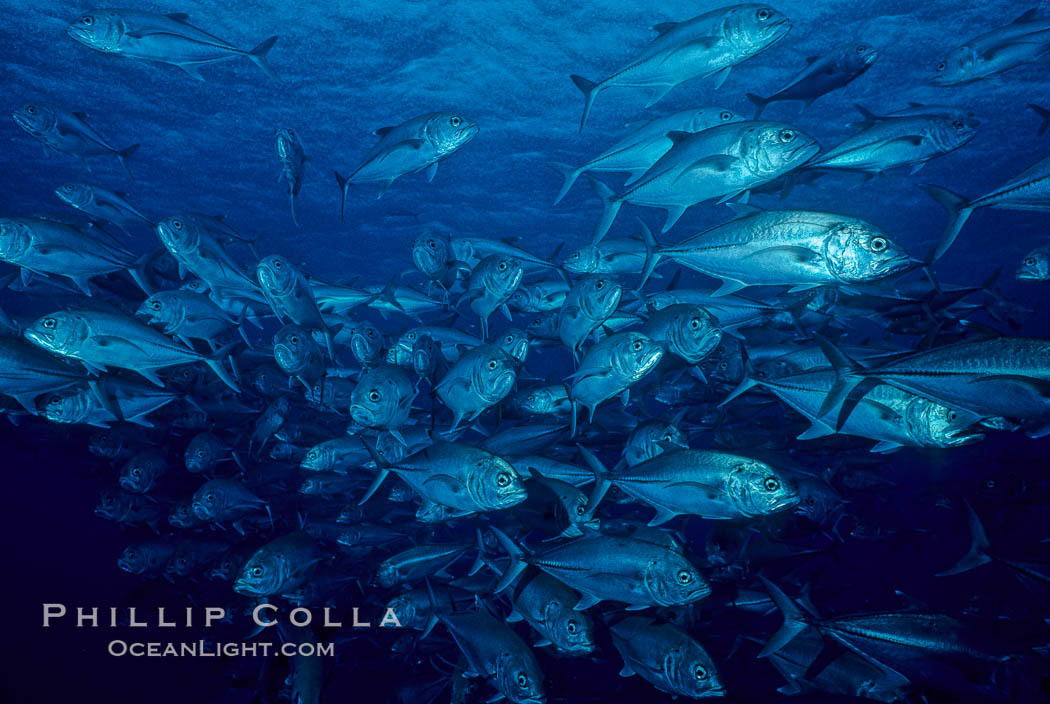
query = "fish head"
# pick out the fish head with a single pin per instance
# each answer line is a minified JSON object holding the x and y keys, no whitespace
{"x":276,"y":275}
{"x":431,"y":253}
{"x":78,"y":195}
{"x":71,"y":405}
{"x":447,"y":132}
{"x":492,"y":375}
{"x":756,"y":489}
{"x":99,"y":29}
{"x":754,"y":27}
{"x":949,"y":133}
{"x":381,"y":398}
{"x":226,"y":568}
{"x":162,"y":307}
{"x":425,"y":355}
{"x":407,"y":613}
{"x":318,"y":458}
{"x":515,"y":343}
{"x":932,"y":424}
{"x":599,"y":296}
{"x":672,"y":580}
{"x":1035,"y":266}
{"x":494,"y":484}
{"x":634,"y":355}
{"x":499,"y":276}
{"x":200,"y":454}
{"x":35,"y":118}
{"x":693,"y":334}
{"x":106,"y":445}
{"x":112,"y":504}
{"x":132,"y":560}
{"x":691,"y":672}
{"x":863,"y":55}
{"x":650,"y":439}
{"x":817,"y":499}
{"x":207,"y":502}
{"x":583,"y":260}
{"x":544,"y":326}
{"x":706,"y":118}
{"x":294,"y":348}
{"x":61,"y":332}
{"x":572,"y":631}
{"x":180,"y":234}
{"x":856,"y":251}
{"x":263,"y":574}
{"x":519,"y":678}
{"x":775,"y":148}
{"x":140,"y":472}
{"x":195,"y":286}
{"x":959,"y":66}
{"x":366,"y":342}
{"x":16,"y":237}
{"x":287,"y":142}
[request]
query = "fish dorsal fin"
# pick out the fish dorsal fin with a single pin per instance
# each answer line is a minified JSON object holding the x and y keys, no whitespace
{"x":178,"y":16}
{"x":664,"y":27}
{"x":383,"y":131}
{"x":1027,"y":17}
{"x":743,"y":209}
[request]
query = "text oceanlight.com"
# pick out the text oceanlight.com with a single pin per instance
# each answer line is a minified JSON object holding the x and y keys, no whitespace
{"x":120,"y":648}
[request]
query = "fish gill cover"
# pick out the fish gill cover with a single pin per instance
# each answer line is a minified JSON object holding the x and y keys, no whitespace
{"x":697,"y":344}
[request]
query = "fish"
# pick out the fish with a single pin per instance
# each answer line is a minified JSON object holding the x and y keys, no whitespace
{"x":590,"y":302}
{"x":290,"y":296}
{"x":1025,"y":40}
{"x":547,"y":606}
{"x":418,"y":144}
{"x":187,"y":315}
{"x":298,"y":355}
{"x":198,"y":248}
{"x":280,"y":566}
{"x":801,"y":249}
{"x":26,"y":372}
{"x":667,"y":657}
{"x":710,"y":44}
{"x":168,"y":39}
{"x":1029,"y":190}
{"x":644,"y":145}
{"x":613,"y":256}
{"x":141,"y":473}
{"x":68,"y":132}
{"x":292,"y":159}
{"x":383,"y":399}
{"x":491,"y":284}
{"x":723,"y":162}
{"x":823,"y":74}
{"x":1036,"y":265}
{"x":610,"y":368}
{"x":102,"y":204}
{"x":480,"y":378}
{"x":686,"y":331}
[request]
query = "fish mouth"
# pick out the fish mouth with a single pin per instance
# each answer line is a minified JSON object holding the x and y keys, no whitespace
{"x":127,"y":484}
{"x":805,"y":152}
{"x":361,"y":414}
{"x":871,"y":58}
{"x":958,"y":438}
{"x":243,"y":587}
{"x":897,"y":263}
{"x":78,"y":33}
{"x":40,"y":338}
{"x":785,"y":503}
{"x":1023,"y":275}
{"x":23,"y":122}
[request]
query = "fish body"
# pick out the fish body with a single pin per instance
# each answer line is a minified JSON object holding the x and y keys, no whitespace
{"x":822,"y":75}
{"x":480,"y":378}
{"x":299,"y":355}
{"x":26,"y":371}
{"x":383,"y":398}
{"x":280,"y":566}
{"x":588,"y":304}
{"x":292,"y":158}
{"x":68,"y":132}
{"x":198,"y":248}
{"x":686,"y":331}
{"x":102,"y":204}
{"x":186,"y":315}
{"x":611,"y":367}
{"x":1025,"y":40}
{"x":291,"y":297}
{"x":667,"y":657}
{"x":547,"y":606}
{"x":491,"y":284}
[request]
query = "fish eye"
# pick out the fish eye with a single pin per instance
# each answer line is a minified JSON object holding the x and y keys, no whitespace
{"x":432,"y":244}
{"x":68,"y":187}
{"x":667,"y":437}
{"x":31,"y":109}
{"x":600,"y":285}
{"x":787,"y":136}
{"x":685,"y":577}
{"x":951,"y":415}
{"x":49,"y":323}
{"x":941,"y":66}
{"x":374,"y":395}
{"x":571,"y":626}
{"x":637,"y":346}
{"x":493,"y":364}
{"x":502,"y":266}
{"x":764,"y":14}
{"x":694,"y":324}
{"x":294,"y":339}
{"x":700,"y":672}
{"x":201,"y":453}
{"x":861,"y":49}
{"x":370,"y":332}
{"x":155,"y":305}
{"x":257,"y":571}
{"x":276,"y":263}
{"x":878,"y":244}
{"x":455,"y":121}
{"x":210,"y":496}
{"x":990,"y":483}
{"x":580,"y":510}
{"x":136,"y":472}
{"x":87,"y":20}
{"x":522,"y":680}
{"x":1029,"y":261}
{"x":503,"y":479}
{"x":772,"y":484}
{"x":726,"y":115}
{"x":723,"y":365}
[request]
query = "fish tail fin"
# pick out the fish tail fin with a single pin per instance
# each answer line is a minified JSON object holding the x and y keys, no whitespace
{"x":1043,"y":113}
{"x":215,"y":360}
{"x":959,"y":211}
{"x":383,"y":471}
{"x":258,"y":57}
{"x":745,"y":385}
{"x":847,"y":378}
{"x":517,"y":560}
{"x":611,"y":207}
{"x":568,"y":173}
{"x":291,"y":201}
{"x":590,"y":91}
{"x":652,"y":255}
{"x":479,"y":561}
{"x":139,"y":272}
{"x":124,"y":154}
{"x":344,"y":186}
{"x":979,"y":546}
{"x":794,"y":620}
{"x":759,"y":102}
{"x":602,"y":483}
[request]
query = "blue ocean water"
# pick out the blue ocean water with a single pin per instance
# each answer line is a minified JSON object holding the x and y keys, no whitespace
{"x":350,"y":68}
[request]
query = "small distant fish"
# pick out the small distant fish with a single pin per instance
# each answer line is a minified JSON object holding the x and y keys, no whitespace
{"x":1025,"y":40}
{"x":68,"y":132}
{"x":102,"y":204}
{"x":168,"y":39}
{"x":292,"y":159}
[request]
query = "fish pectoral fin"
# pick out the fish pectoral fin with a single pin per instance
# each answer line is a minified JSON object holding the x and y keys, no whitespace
{"x":586,"y":601}
{"x":627,"y":670}
{"x":798,"y":254}
{"x":657,"y":92}
{"x":193,"y":70}
{"x":714,"y":164}
{"x":663,"y":515}
{"x":431,"y":171}
{"x":729,"y":286}
{"x":721,"y":76}
{"x":444,"y":481}
{"x":817,"y":430}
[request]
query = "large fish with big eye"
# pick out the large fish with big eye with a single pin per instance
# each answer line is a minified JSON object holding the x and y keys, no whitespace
{"x":490,"y":286}
{"x":336,"y":455}
{"x":686,"y":331}
{"x":434,"y":258}
{"x":822,"y":75}
{"x":298,"y":355}
{"x":108,"y":401}
{"x":637,"y":572}
{"x":610,"y":368}
{"x":102,"y":204}
{"x":68,"y":132}
{"x":290,"y":296}
{"x":644,"y":145}
{"x":198,"y":248}
{"x":168,"y":39}
{"x":280,"y":566}
{"x":1025,"y":40}
{"x":480,"y":378}
{"x":494,"y":651}
{"x":220,"y":500}
{"x":667,"y":657}
{"x":47,"y":247}
{"x":547,"y":606}
{"x":588,"y":304}
{"x":101,"y":340}
{"x":418,"y":144}
{"x":705,"y":483}
{"x":798,"y":248}
{"x":146,"y":557}
{"x":292,"y":159}
{"x":383,"y":399}
{"x":459,"y":477}
{"x":707,"y":45}
{"x":187,"y":315}
{"x":142,"y":472}
{"x":720,"y":163}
